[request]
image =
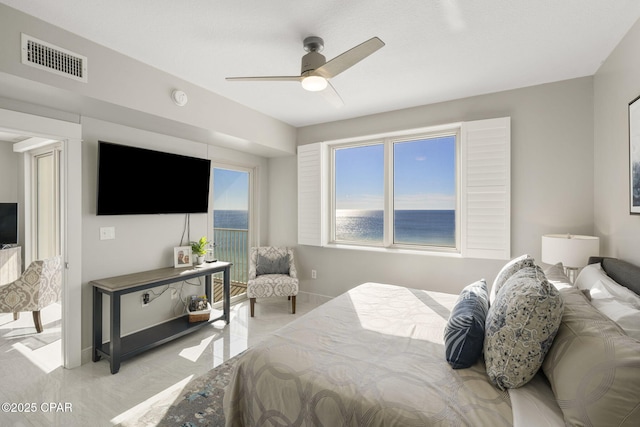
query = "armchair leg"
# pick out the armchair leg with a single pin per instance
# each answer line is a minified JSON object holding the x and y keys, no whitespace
{"x":16,"y":316}
{"x":293,"y":304}
{"x":37,"y":321}
{"x":252,"y":303}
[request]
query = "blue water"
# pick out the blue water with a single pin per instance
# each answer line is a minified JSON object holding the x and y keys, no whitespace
{"x":413,"y":227}
{"x":238,"y":220}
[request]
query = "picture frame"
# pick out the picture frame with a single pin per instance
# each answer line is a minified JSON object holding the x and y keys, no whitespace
{"x":182,"y":257}
{"x":634,"y":156}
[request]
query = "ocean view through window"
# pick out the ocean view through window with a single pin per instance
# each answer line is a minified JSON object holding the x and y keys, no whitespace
{"x":420,"y":201}
{"x":231,"y":220}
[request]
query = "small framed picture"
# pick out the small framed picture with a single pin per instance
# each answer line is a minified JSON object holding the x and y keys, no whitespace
{"x":182,"y":256}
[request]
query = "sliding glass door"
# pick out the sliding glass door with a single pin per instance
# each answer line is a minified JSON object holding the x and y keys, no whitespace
{"x":231,"y":223}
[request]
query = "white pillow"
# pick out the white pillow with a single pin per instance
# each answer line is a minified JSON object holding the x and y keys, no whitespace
{"x":601,"y":286}
{"x":611,"y":299}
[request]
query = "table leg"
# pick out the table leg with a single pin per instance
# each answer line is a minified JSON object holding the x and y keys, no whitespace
{"x":97,"y":323}
{"x":226,"y":288}
{"x":115,"y":343}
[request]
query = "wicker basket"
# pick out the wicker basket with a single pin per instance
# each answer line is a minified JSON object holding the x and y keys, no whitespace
{"x":199,"y":316}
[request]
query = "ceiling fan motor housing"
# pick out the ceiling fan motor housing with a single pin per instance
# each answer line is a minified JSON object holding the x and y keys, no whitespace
{"x":312,"y":61}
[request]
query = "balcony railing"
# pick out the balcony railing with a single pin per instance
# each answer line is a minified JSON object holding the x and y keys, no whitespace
{"x":232,"y":246}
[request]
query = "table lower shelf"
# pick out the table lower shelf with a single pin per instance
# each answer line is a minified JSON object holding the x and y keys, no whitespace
{"x":154,"y":336}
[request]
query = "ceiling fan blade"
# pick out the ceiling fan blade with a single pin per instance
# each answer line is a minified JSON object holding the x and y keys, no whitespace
{"x":349,"y":58}
{"x":330,"y":94}
{"x":267,"y":79}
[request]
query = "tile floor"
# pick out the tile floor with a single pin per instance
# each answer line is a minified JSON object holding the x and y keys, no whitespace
{"x":30,"y":372}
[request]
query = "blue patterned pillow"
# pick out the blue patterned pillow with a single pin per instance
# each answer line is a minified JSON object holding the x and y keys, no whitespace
{"x":521,"y":326}
{"x":464,"y":333}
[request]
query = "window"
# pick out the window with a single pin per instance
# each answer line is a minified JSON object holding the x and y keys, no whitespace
{"x":424,"y":191}
{"x":445,"y":188}
{"x":421,"y":184}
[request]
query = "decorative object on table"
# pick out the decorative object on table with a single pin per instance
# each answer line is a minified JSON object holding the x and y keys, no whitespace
{"x":199,"y":249}
{"x":634,"y":156}
{"x":573,"y":251}
{"x":182,"y":256}
{"x":210,"y":255}
{"x":199,"y":309}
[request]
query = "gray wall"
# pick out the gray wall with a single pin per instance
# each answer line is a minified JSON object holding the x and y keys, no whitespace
{"x":616,"y":83}
{"x":9,"y":162}
{"x":143,"y":242}
{"x":551,"y":179}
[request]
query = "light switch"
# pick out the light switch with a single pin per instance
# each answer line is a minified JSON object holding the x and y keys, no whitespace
{"x":107,"y":233}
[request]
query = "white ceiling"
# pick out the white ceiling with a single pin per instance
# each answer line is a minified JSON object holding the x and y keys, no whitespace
{"x":436,"y":50}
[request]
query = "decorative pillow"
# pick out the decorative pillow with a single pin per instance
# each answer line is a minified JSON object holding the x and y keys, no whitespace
{"x":520,"y":328}
{"x":508,"y":270}
{"x":593,"y":367}
{"x":279,"y":265}
{"x":464,"y":333}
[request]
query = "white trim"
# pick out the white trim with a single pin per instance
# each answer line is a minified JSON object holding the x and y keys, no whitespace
{"x":483,"y":182}
{"x":70,"y":134}
{"x":486,"y":189}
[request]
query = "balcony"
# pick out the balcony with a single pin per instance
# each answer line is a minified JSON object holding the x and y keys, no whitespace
{"x":232,"y":246}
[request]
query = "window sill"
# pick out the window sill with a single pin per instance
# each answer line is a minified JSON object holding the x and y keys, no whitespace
{"x":405,"y":251}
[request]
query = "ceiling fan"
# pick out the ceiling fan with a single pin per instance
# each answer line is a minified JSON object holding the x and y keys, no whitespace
{"x":316,"y":71}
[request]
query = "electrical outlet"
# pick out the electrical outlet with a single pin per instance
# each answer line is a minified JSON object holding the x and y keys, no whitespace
{"x":145,"y":299}
{"x":174,"y":293}
{"x":314,"y":274}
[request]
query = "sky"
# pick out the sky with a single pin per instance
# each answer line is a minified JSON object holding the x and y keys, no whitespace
{"x":230,"y":190}
{"x":424,"y":175}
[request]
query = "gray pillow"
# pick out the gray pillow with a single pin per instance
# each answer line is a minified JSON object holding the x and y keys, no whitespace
{"x":520,"y":328}
{"x":593,"y":367}
{"x":279,"y":265}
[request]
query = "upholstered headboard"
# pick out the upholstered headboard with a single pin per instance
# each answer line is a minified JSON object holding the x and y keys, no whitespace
{"x":622,"y":272}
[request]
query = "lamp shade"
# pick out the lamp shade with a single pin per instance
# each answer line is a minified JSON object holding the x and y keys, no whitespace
{"x":573,"y":251}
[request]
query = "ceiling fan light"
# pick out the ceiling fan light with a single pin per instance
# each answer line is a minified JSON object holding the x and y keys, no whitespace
{"x":314,"y":83}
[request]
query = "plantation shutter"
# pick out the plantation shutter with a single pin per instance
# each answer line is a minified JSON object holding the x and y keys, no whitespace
{"x":312,"y":210}
{"x":485,"y":158}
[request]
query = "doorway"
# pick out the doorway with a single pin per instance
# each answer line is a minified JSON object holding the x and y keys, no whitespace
{"x":232,"y":223}
{"x":40,"y":132}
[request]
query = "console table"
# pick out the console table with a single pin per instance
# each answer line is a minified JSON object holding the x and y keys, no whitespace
{"x":120,"y":348}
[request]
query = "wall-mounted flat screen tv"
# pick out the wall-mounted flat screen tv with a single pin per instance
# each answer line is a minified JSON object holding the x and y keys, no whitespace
{"x":134,"y":181}
{"x":8,"y":224}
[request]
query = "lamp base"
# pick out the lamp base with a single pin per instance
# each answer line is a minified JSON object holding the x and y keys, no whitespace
{"x":572,"y":273}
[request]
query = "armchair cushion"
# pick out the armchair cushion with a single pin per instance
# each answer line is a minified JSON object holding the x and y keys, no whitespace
{"x":272,"y":285}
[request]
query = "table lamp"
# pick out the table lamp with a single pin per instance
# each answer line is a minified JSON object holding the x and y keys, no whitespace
{"x":573,"y":251}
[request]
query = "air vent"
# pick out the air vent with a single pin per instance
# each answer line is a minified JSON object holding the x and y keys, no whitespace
{"x":54,"y":59}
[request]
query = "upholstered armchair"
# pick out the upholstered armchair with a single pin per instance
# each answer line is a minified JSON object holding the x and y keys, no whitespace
{"x":272,"y":273}
{"x":36,"y":288}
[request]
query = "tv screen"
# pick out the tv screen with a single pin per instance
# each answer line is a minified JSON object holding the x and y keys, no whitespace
{"x":8,"y":224}
{"x":134,"y":181}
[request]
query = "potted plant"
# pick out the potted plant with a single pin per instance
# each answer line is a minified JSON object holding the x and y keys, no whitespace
{"x":199,"y":249}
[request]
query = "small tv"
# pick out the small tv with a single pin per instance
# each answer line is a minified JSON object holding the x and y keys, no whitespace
{"x":8,"y":224}
{"x":138,"y":181}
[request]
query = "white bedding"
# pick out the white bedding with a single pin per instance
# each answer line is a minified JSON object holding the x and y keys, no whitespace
{"x":373,"y":356}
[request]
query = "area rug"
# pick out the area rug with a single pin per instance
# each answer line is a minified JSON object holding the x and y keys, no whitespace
{"x":199,"y":403}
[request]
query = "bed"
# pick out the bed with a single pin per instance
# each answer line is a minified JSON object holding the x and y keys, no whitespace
{"x":377,"y":356}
